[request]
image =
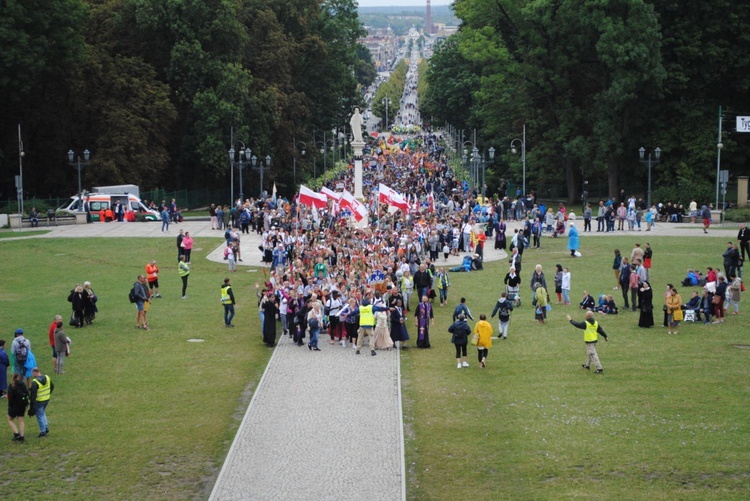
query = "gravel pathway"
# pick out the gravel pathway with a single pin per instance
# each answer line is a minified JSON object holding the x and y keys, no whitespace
{"x":322,"y":425}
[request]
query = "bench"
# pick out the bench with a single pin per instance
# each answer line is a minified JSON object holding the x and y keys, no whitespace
{"x":44,"y":221}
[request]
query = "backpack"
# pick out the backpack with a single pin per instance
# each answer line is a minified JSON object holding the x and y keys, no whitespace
{"x":132,"y":296}
{"x":504,"y":311}
{"x":22,"y":352}
{"x":313,"y":324}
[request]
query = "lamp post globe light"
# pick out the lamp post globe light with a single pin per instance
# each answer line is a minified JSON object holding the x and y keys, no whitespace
{"x":649,"y":162}
{"x":75,"y":161}
{"x":492,"y":160}
{"x":243,"y":158}
{"x":514,"y":150}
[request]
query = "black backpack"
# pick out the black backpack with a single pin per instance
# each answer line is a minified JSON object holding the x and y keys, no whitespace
{"x":132,"y":295}
{"x":22,"y":352}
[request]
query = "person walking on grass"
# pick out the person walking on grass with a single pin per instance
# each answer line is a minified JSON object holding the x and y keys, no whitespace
{"x":460,"y":331}
{"x":591,"y":332}
{"x":40,"y":391}
{"x":140,"y":291}
{"x":484,"y":330}
{"x":227,"y":300}
{"x":503,"y":308}
{"x":184,"y":270}
{"x":18,"y":401}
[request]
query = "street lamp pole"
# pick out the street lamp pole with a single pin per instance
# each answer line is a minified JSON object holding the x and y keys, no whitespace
{"x":243,"y":157}
{"x":75,"y":161}
{"x":649,"y":162}
{"x":523,"y":155}
{"x":386,"y":102}
{"x":492,"y":160}
{"x":261,"y":167}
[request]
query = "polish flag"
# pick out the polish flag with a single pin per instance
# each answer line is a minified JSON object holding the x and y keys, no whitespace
{"x":311,"y":198}
{"x":330,"y":194}
{"x":392,"y":198}
{"x":359,"y":211}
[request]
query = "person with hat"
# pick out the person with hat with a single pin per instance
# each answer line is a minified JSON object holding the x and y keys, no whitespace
{"x":40,"y":391}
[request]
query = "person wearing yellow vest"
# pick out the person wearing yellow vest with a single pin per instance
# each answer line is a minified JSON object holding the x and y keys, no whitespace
{"x":591,"y":332}
{"x":41,"y":391}
{"x":152,"y":275}
{"x":366,"y":312}
{"x":227,"y":299}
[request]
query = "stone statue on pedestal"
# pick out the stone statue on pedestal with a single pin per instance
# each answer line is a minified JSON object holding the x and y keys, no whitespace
{"x":356,"y":124}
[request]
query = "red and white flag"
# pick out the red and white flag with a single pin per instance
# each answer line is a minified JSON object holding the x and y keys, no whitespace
{"x":359,"y":211}
{"x":311,"y":198}
{"x":330,"y":194}
{"x":392,"y":198}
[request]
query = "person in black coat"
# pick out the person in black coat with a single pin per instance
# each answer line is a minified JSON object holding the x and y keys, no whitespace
{"x":646,"y":304}
{"x":460,"y":331}
{"x":76,"y":298}
{"x":269,"y":305}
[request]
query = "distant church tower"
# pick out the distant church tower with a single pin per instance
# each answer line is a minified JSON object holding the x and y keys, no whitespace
{"x":428,"y":20}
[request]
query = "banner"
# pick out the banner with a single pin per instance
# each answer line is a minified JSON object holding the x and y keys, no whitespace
{"x":392,"y":198}
{"x":359,"y":211}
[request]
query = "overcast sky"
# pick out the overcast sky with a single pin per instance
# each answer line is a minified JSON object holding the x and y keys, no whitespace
{"x":401,"y":3}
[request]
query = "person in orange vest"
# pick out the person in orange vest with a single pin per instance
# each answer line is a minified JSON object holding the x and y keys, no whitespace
{"x":152,"y":275}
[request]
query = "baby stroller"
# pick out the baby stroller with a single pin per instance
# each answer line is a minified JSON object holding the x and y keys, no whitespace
{"x":513,"y":295}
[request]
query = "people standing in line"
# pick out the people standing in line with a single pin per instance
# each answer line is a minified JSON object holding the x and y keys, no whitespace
{"x":4,"y":364}
{"x":424,"y":319}
{"x":141,"y":296}
{"x":573,"y":240}
{"x":591,"y":332}
{"x":61,"y":347}
{"x":76,"y":299}
{"x":40,"y":392}
{"x":152,"y":276}
{"x":227,"y":300}
{"x":187,"y":245}
{"x":484,"y":330}
{"x":674,"y":311}
{"x":18,"y":401}
{"x":503,"y":309}
{"x":180,"y":248}
{"x":460,"y":332}
{"x":646,"y":305}
{"x":184,"y":271}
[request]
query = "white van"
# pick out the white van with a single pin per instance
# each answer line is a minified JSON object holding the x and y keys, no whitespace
{"x":101,"y":204}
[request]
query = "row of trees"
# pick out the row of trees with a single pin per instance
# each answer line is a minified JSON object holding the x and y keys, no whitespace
{"x":152,"y":87}
{"x":594,"y":81}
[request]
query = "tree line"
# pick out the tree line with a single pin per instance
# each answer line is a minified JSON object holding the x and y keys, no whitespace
{"x":153,"y":87}
{"x":593,"y":81}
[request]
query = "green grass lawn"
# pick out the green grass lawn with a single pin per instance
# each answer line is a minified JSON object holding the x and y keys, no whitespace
{"x":667,"y":419}
{"x":138,"y":414}
{"x":149,"y":415}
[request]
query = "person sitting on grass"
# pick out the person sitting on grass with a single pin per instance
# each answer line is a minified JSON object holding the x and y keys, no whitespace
{"x":694,"y":305}
{"x":588,"y":302}
{"x":609,"y":307}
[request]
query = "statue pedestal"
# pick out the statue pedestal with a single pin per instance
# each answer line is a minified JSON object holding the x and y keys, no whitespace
{"x":357,"y":147}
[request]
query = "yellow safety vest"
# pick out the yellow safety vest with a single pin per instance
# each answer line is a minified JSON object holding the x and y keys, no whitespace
{"x":183,"y":269}
{"x":590,"y":335}
{"x":225,"y":297}
{"x":366,"y":317}
{"x":44,"y":390}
